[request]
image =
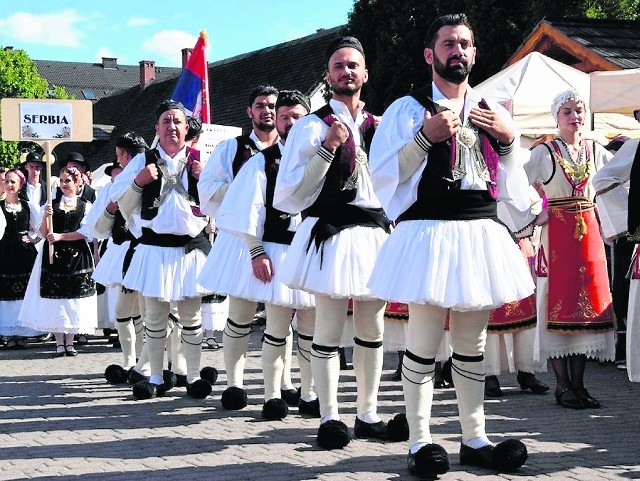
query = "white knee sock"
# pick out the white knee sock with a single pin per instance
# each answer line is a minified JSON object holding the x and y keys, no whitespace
{"x":192,"y":350}
{"x":307,"y":388}
{"x":126,"y":334}
{"x":325,"y":367}
{"x":156,"y":332}
{"x":236,"y":342}
{"x":367,"y":366}
{"x":273,"y":355}
{"x":417,"y":384}
{"x":138,"y":326}
{"x":286,"y":382}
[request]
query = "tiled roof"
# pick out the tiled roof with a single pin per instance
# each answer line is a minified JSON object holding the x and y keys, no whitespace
{"x":77,"y":77}
{"x":615,"y":40}
{"x":298,"y":64}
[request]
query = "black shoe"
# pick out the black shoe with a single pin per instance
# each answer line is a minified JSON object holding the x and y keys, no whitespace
{"x":146,"y":390}
{"x":70,"y":351}
{"x":333,"y":434}
{"x":370,"y":430}
{"x":309,"y":408}
{"x":492,"y":387}
{"x":209,"y":373}
{"x":504,"y":457}
{"x":397,"y":374}
{"x":275,"y":409}
{"x":60,"y":351}
{"x":290,"y":396}
{"x":429,"y":461}
{"x":135,"y":377}
{"x":181,"y":380}
{"x":587,"y":399}
{"x":568,"y":399}
{"x":528,"y":380}
{"x":199,"y":389}
{"x":398,"y":428}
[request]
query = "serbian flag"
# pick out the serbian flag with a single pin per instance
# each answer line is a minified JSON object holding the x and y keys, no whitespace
{"x":193,"y":85}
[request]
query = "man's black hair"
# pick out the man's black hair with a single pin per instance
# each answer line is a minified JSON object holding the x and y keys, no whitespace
{"x":262,"y":91}
{"x":132,"y":143}
{"x":451,"y":19}
{"x":289,"y":98}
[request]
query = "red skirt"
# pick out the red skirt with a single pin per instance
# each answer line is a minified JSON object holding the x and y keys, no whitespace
{"x":579,"y":297}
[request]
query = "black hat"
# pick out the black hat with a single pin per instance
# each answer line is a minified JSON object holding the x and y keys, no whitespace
{"x":343,"y":42}
{"x":289,"y":98}
{"x":169,"y":105}
{"x":132,"y":143}
{"x":77,"y":158}
{"x":113,"y":165}
{"x":34,"y":157}
{"x":616,"y":143}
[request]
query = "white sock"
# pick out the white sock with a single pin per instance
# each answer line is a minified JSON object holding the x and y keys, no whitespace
{"x":477,"y":443}
{"x":416,"y":447}
{"x":370,"y":417}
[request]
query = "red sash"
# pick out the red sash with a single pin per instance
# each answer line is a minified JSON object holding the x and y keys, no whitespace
{"x":579,"y":297}
{"x":635,"y":264}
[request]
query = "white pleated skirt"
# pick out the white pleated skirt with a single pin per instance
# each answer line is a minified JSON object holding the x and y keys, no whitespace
{"x":464,"y":265}
{"x":73,"y":316}
{"x":342,"y":266}
{"x":108,"y":271}
{"x":165,"y":273}
{"x":553,"y":344}
{"x":107,"y":307}
{"x":9,"y":323}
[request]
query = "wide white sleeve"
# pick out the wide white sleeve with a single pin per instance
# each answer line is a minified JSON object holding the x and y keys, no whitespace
{"x":125,"y":192}
{"x":539,"y":167}
{"x":216,"y":177}
{"x":399,"y":124}
{"x":83,"y":229}
{"x":302,"y":171}
{"x":97,"y":222}
{"x":243,"y":209}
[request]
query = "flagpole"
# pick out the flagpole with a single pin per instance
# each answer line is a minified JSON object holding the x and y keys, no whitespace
{"x":206,"y":113}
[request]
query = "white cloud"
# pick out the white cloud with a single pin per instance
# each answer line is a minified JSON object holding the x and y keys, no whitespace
{"x":48,"y":28}
{"x":166,"y":46}
{"x":139,"y":21}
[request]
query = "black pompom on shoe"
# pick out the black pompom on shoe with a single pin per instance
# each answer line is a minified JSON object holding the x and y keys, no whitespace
{"x":209,"y":373}
{"x":115,"y":374}
{"x":333,"y":434}
{"x":430,"y":461}
{"x":505,"y":457}
{"x":146,"y":390}
{"x":398,"y":428}
{"x":234,"y":398}
{"x":275,"y":409}
{"x":199,"y":389}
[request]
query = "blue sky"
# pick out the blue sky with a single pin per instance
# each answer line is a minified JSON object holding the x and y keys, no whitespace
{"x":134,"y":30}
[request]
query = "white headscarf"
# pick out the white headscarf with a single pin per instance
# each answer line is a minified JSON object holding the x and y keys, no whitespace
{"x":562,"y":98}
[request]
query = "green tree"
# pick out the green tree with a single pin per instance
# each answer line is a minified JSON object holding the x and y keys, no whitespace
{"x":392,"y":33}
{"x":19,"y":78}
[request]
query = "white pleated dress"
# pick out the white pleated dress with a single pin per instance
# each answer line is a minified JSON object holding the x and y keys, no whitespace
{"x":466,"y":265}
{"x":73,"y":316}
{"x":341,"y":268}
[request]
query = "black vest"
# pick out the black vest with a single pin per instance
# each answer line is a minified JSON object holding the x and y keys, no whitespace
{"x":246,"y":149}
{"x":151,"y":191}
{"x":276,"y":224}
{"x":333,"y":193}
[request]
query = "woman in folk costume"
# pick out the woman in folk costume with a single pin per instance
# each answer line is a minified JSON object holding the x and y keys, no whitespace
{"x":575,"y":315}
{"x":18,"y":254}
{"x":61,"y":295}
{"x":618,"y":198}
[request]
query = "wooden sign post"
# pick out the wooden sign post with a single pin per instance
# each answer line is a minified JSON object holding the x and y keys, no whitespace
{"x":47,"y":122}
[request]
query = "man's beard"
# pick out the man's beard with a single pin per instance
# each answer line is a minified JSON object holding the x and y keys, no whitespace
{"x":452,"y":73}
{"x":348,"y":91}
{"x":285,"y":133}
{"x":264,"y":127}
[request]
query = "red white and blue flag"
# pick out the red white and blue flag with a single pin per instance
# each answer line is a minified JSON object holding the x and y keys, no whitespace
{"x":193,"y":85}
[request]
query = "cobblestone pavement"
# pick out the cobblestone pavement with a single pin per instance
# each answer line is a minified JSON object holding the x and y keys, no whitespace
{"x":60,"y":419}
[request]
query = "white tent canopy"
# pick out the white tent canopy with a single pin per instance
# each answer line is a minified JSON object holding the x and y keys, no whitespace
{"x":617,"y":91}
{"x":528,"y":87}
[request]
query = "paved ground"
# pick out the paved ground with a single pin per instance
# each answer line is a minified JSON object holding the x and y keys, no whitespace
{"x":60,"y":419}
